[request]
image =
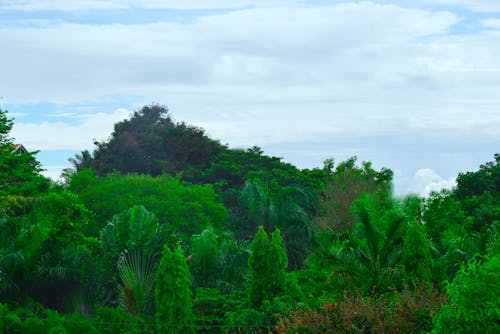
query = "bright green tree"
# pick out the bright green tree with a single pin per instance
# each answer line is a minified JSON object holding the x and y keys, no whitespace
{"x":173,"y":294}
{"x":474,"y":299}
{"x":185,"y":208}
{"x":449,"y":230}
{"x":267,"y":265}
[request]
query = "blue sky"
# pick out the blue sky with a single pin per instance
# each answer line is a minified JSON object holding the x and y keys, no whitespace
{"x":413,"y":86}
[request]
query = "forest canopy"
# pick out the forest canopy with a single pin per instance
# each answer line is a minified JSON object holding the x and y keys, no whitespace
{"x":161,"y":229}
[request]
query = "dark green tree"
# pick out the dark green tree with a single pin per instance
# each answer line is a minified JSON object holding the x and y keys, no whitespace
{"x":150,"y":142}
{"x":479,"y":195}
{"x":416,"y":257}
{"x":173,"y":294}
{"x":274,"y":206}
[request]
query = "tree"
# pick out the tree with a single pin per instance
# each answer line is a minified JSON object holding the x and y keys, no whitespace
{"x":137,"y":272}
{"x":479,"y":194}
{"x":173,"y":294}
{"x":449,"y":231}
{"x":232,"y":168}
{"x":150,"y":142}
{"x":275,"y":206}
{"x":474,"y":299}
{"x":416,"y":257}
{"x":369,"y":256}
{"x":131,"y":230}
{"x":267,"y":265}
{"x":206,"y":257}
{"x":19,"y":171}
{"x":344,"y":186}
{"x":182,"y":207}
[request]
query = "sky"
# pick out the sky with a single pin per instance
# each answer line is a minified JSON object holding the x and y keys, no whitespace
{"x":410,"y":85}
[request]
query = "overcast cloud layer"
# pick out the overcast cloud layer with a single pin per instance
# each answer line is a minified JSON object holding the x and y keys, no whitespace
{"x":416,"y":89}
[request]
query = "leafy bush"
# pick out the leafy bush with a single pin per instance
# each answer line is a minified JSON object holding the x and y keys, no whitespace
{"x":116,"y":321}
{"x":185,"y":208}
{"x":474,"y":299}
{"x":409,"y":311}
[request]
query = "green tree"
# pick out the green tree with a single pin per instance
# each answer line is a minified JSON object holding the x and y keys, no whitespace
{"x":231,"y":169}
{"x":137,"y":271}
{"x":218,"y":260}
{"x":19,"y":171}
{"x":184,"y":208}
{"x":132,"y":229}
{"x":173,"y":294}
{"x":206,"y":255}
{"x":416,"y":257}
{"x":274,"y":206}
{"x":474,"y":299}
{"x":479,"y":195}
{"x":347,"y":183}
{"x":44,"y":250}
{"x":267,"y":265}
{"x":150,"y":142}
{"x":369,"y":256}
{"x":449,"y":231}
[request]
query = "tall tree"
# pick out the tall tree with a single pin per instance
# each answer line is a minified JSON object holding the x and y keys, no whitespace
{"x":479,"y":194}
{"x":416,"y":257}
{"x":173,"y":294}
{"x":150,"y":142}
{"x":267,"y":265}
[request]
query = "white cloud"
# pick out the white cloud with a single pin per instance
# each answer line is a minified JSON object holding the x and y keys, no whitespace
{"x":269,"y":74}
{"x":75,"y":5}
{"x":341,"y":63}
{"x":491,"y":23}
{"x":476,"y":5}
{"x":426,"y":180}
{"x":63,"y":136}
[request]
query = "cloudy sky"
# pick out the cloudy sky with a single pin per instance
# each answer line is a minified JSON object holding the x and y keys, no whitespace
{"x":411,"y":85}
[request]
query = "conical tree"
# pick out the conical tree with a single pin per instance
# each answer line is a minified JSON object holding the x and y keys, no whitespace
{"x":267,"y":265}
{"x":173,"y":294}
{"x":416,"y":256}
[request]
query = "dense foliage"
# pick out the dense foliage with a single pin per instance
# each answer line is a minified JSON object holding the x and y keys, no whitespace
{"x":162,"y":229}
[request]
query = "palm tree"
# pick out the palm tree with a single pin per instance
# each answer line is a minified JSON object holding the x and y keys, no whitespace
{"x":137,"y":271}
{"x":281,"y":208}
{"x":371,"y":253}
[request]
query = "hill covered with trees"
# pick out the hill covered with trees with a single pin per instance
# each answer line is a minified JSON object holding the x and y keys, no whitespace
{"x":162,"y":229}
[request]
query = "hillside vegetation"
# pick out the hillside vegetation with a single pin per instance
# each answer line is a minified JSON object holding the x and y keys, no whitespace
{"x":161,"y":229}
